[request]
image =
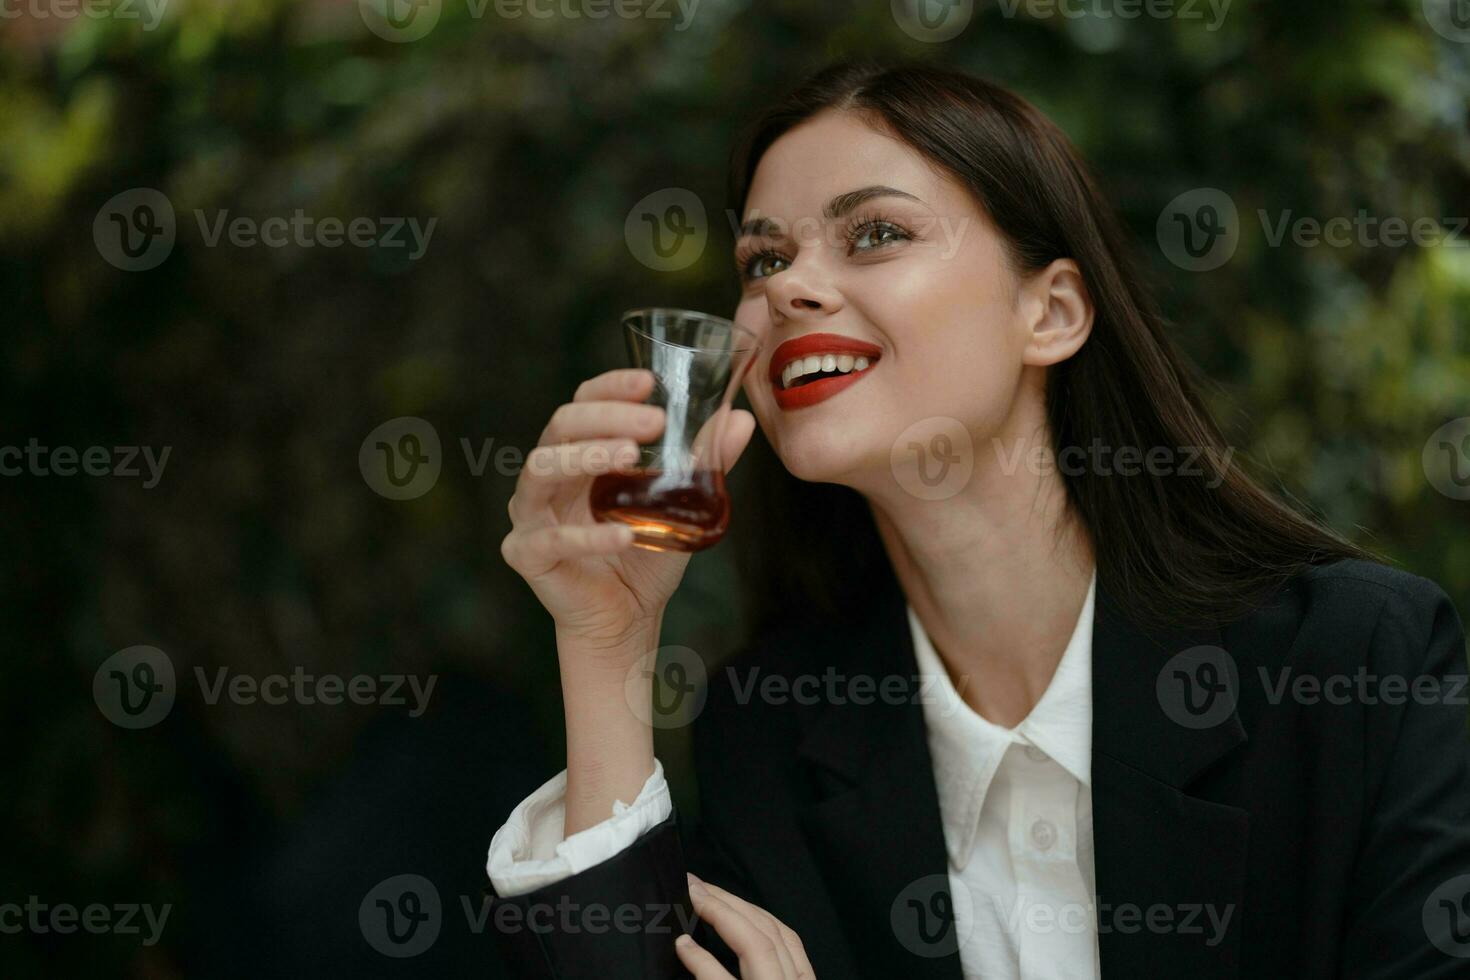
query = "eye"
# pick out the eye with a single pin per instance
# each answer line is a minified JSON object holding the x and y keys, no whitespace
{"x":761,"y":265}
{"x":875,"y":234}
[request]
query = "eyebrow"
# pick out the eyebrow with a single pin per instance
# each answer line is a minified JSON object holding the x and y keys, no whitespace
{"x":836,"y":208}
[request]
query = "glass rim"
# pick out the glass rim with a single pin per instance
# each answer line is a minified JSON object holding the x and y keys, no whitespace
{"x":628,"y":315}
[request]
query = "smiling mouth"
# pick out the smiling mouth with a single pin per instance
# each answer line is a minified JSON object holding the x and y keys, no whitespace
{"x":803,"y":371}
{"x":812,"y":388}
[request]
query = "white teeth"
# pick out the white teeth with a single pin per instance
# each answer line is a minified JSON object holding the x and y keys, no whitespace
{"x":813,"y":363}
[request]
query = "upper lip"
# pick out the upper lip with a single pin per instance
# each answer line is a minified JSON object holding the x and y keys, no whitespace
{"x":818,"y":343}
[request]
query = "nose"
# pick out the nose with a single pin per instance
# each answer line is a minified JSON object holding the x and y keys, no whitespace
{"x":801,"y":292}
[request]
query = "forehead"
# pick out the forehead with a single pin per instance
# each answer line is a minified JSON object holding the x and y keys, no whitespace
{"x":834,"y":152}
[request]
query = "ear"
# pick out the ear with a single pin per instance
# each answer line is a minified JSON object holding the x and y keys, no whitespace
{"x":1058,"y":313}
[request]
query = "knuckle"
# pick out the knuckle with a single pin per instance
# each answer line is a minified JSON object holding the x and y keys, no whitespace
{"x":541,"y":460}
{"x":765,"y":953}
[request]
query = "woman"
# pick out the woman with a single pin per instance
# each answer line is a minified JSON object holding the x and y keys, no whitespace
{"x":1086,"y":698}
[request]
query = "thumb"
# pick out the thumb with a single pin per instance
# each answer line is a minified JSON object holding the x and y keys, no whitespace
{"x":739,"y":427}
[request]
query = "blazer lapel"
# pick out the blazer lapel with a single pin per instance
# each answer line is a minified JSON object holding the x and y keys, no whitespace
{"x":874,"y":823}
{"x":1170,"y":866}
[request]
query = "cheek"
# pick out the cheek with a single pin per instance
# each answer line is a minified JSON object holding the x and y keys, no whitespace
{"x":964,"y":367}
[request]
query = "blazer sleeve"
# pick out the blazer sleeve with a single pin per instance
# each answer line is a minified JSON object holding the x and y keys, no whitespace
{"x":1409,"y":902}
{"x":617,"y":920}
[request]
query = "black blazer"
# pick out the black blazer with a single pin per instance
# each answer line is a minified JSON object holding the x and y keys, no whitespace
{"x":1334,"y":831}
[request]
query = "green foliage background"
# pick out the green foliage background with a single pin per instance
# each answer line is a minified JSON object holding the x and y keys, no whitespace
{"x":529,"y":140}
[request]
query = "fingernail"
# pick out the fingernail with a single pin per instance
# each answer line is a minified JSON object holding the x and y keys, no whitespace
{"x":696,"y":887}
{"x":684,"y":941}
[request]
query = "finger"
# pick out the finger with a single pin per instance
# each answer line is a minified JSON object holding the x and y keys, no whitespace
{"x":548,"y":469}
{"x":762,"y":953}
{"x":618,"y":384}
{"x":787,"y":935}
{"x":537,"y":551}
{"x":573,"y":421}
{"x":738,"y":431}
{"x":699,"y":961}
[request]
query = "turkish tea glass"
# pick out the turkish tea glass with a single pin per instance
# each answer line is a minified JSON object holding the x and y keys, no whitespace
{"x":674,"y":497}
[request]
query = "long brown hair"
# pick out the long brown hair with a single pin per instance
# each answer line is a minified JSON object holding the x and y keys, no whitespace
{"x":1174,"y":549}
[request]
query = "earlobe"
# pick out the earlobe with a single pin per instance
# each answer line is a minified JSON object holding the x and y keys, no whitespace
{"x":1063,"y":313}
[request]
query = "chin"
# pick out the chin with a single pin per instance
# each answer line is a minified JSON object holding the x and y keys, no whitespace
{"x":818,"y":458}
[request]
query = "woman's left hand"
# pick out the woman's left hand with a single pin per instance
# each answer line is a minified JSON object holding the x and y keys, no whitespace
{"x":767,"y":947}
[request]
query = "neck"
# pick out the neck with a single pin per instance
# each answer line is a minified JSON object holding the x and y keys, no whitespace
{"x":997,"y":574}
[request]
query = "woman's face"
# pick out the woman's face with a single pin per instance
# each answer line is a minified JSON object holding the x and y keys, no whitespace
{"x":872,"y":244}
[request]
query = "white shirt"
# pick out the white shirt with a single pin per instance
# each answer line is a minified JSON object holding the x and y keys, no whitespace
{"x":1016,"y":805}
{"x":1017,"y":811}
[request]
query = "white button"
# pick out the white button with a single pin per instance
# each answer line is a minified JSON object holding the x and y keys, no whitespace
{"x":1043,"y":834}
{"x":1035,"y":754}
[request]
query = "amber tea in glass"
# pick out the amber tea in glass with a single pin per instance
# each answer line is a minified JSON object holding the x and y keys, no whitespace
{"x":675,"y":498}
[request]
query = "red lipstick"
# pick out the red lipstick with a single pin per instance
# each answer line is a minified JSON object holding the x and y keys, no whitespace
{"x":817,"y":391}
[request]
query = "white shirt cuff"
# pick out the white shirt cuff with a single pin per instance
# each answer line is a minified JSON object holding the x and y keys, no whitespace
{"x":529,"y":852}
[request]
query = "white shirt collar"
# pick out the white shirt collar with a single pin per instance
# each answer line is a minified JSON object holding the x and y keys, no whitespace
{"x":967,"y":749}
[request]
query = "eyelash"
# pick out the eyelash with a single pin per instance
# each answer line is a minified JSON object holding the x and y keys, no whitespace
{"x":746,"y":256}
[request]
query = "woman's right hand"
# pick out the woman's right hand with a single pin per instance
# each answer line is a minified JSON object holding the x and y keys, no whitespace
{"x":598,"y":587}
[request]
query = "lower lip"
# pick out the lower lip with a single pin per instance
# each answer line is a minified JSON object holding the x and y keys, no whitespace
{"x":818,"y":391}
